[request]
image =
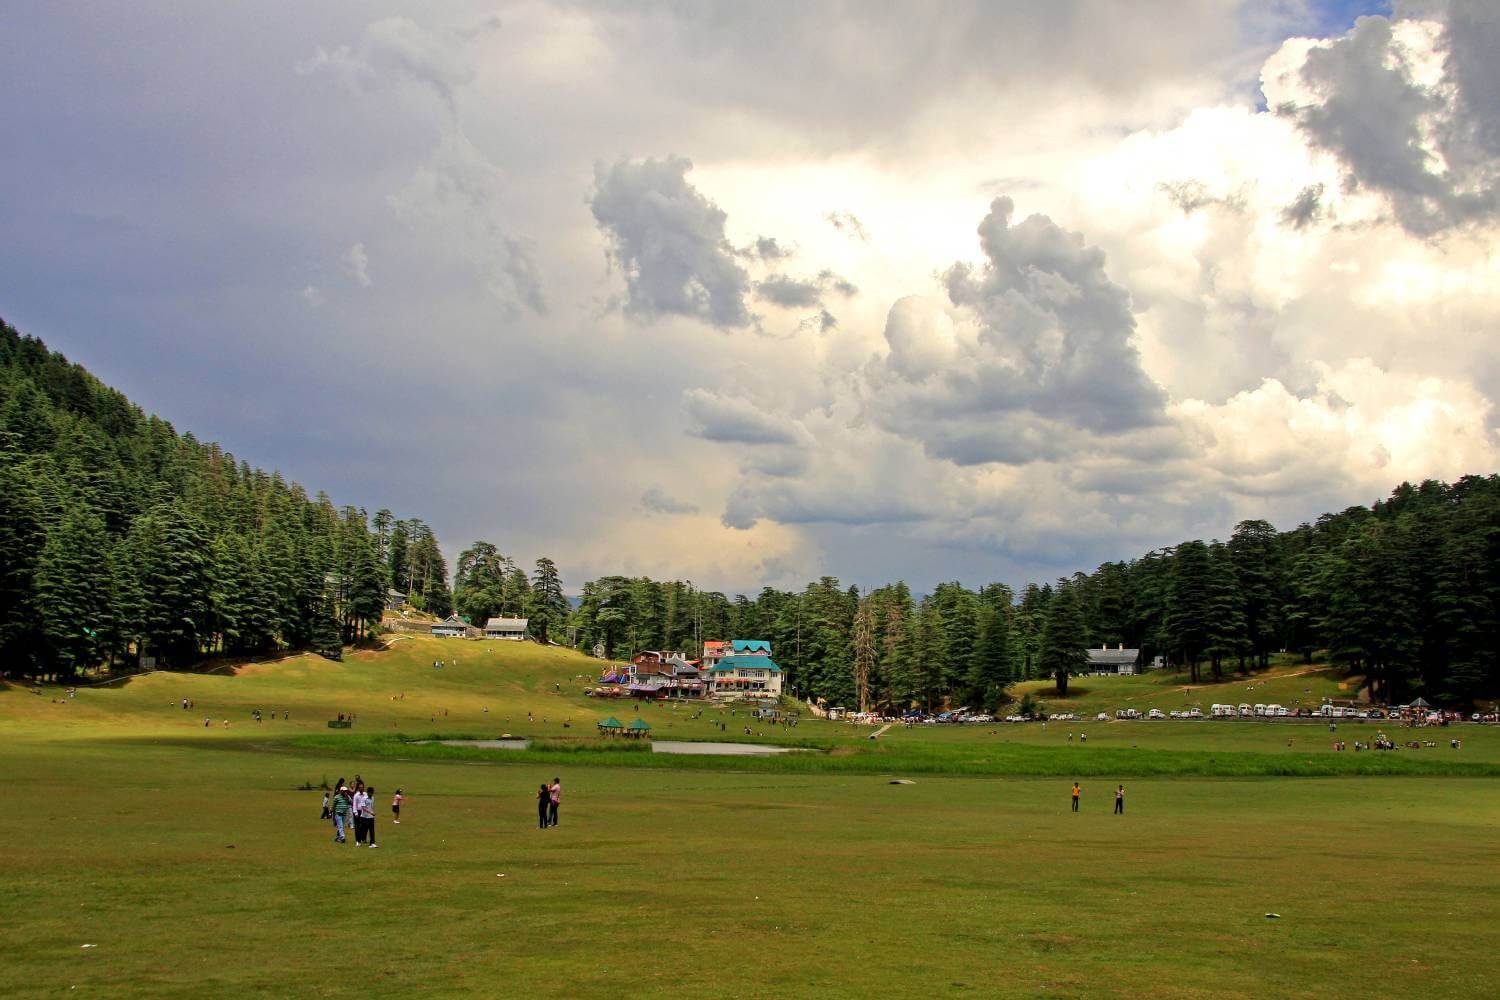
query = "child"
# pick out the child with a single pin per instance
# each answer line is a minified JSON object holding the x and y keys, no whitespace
{"x":396,"y":807}
{"x":325,"y":814}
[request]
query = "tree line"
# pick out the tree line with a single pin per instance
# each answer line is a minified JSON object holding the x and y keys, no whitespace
{"x":1405,"y":592}
{"x":121,"y":539}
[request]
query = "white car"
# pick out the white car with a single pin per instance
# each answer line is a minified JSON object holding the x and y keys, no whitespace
{"x":1155,"y":713}
{"x":1193,"y":713}
{"x":1102,"y":717}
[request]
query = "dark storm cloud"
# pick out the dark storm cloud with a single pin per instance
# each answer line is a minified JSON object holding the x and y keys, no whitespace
{"x":801,"y":293}
{"x":1053,"y":359}
{"x":718,"y":417}
{"x":1305,"y":208}
{"x":787,"y":503}
{"x":1430,"y":150}
{"x":668,"y":239}
{"x":767,"y":250}
{"x":654,"y":501}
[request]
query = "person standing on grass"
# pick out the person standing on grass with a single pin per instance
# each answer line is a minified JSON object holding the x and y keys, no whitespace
{"x":358,"y":805}
{"x":340,"y":815}
{"x":1119,"y":800}
{"x":1076,"y":792}
{"x":396,"y":807}
{"x":370,"y":815}
{"x":325,"y":814}
{"x":543,"y":805}
{"x":554,"y":799}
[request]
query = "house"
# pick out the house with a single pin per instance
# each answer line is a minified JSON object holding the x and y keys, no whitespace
{"x":1105,"y":661}
{"x":714,"y":651}
{"x":743,"y":675}
{"x":394,"y":600}
{"x":750,"y":646}
{"x":664,"y":675}
{"x":506,"y":628}
{"x":453,"y":627}
{"x":687,"y":675}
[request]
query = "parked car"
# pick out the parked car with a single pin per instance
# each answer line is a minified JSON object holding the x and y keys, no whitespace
{"x":1102,"y":717}
{"x":1195,"y":713}
{"x":1155,"y":713}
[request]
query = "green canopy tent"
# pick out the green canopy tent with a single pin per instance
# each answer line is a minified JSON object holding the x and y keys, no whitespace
{"x":610,"y":725}
{"x":639,"y":727}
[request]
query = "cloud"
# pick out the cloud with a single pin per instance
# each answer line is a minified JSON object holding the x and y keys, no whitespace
{"x":459,"y":192}
{"x":668,"y":239}
{"x":848,"y":224}
{"x":312,"y":296}
{"x":1306,"y":208}
{"x":1408,"y":106}
{"x":802,"y":293}
{"x":654,"y":501}
{"x":397,"y":48}
{"x":718,"y":417}
{"x":1039,"y":352}
{"x":766,"y":249}
{"x":357,"y":263}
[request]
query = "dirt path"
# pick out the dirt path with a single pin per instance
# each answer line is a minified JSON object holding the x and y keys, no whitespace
{"x":881,"y":731}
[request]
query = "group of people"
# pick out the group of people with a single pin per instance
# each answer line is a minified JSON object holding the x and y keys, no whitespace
{"x":548,"y":797}
{"x":1119,"y":798}
{"x":347,"y":807}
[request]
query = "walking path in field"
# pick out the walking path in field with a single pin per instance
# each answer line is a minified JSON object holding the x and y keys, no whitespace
{"x":881,"y":731}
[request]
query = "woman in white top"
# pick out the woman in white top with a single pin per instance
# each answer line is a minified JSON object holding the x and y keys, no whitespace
{"x":369,"y":813}
{"x":358,"y":804}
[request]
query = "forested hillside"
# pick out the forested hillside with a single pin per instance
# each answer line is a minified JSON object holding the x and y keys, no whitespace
{"x":120,"y":538}
{"x":1406,"y":592}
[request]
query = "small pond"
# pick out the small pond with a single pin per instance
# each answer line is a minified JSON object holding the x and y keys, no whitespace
{"x":481,"y":744}
{"x":718,"y":749}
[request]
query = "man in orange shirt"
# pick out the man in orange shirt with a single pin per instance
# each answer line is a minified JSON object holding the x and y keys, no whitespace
{"x":1076,"y":791}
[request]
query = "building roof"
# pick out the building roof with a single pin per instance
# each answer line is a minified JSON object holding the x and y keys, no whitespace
{"x":715,"y":646}
{"x":506,"y":624}
{"x":751,"y":646}
{"x":1114,"y":656}
{"x":752,"y":661}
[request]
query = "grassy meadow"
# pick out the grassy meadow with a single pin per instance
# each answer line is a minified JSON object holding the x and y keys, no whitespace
{"x":193,"y":860}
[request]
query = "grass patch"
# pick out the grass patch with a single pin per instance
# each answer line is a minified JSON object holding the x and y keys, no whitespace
{"x":994,"y":758}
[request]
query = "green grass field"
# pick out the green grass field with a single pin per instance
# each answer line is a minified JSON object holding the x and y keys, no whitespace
{"x":194,"y":863}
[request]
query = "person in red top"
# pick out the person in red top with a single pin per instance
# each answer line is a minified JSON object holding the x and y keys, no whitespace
{"x":554,"y":795}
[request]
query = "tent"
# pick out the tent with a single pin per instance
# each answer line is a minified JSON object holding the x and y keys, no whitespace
{"x":610,"y":725}
{"x":1420,"y":703}
{"x":639,"y":727}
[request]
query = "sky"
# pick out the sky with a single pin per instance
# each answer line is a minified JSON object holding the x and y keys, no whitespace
{"x":752,"y":293}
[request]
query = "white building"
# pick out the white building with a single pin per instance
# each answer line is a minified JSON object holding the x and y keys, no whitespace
{"x":1105,"y":661}
{"x":452,"y":627}
{"x":513,"y":629}
{"x":743,"y":675}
